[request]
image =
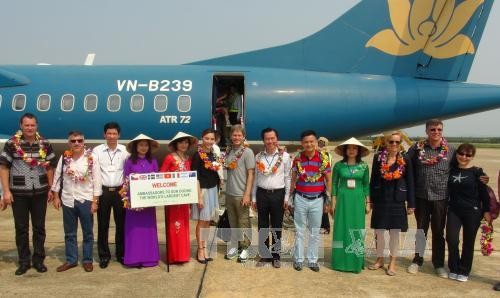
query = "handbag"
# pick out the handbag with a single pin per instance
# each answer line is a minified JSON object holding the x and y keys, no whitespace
{"x":223,"y":227}
{"x":494,"y":204}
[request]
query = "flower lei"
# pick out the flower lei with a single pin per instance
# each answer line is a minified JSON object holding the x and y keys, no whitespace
{"x":385,"y":168}
{"x":209,"y":164}
{"x":302,"y":173}
{"x":435,"y":159}
{"x":486,"y":240}
{"x":124,"y":193}
{"x":68,"y":156}
{"x":261,"y":167}
{"x":234,"y":163}
{"x":42,"y":152}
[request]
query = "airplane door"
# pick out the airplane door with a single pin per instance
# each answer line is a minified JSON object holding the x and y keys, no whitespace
{"x":228,"y":104}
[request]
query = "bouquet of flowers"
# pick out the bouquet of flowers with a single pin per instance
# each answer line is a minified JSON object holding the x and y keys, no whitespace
{"x":486,"y":240}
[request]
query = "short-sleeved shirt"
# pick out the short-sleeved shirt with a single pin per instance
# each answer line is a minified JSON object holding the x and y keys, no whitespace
{"x":24,"y":179}
{"x":237,"y":178}
{"x":311,"y":167}
{"x":431,"y":181}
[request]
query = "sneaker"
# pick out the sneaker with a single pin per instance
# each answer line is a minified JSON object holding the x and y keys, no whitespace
{"x":441,"y":272}
{"x":231,"y":254}
{"x":462,"y":278}
{"x":413,"y":268}
{"x":243,"y":257}
{"x":452,"y":276}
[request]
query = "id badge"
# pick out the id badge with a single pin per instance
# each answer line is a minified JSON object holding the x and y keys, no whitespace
{"x":351,"y":183}
{"x":111,"y":168}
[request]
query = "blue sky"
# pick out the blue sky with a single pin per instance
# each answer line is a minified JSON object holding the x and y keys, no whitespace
{"x":176,"y":32}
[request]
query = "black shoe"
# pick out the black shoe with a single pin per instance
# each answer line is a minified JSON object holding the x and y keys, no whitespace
{"x":297,"y":266}
{"x":103,"y":263}
{"x":22,"y":269}
{"x":40,"y":267}
{"x":314,"y":267}
{"x":496,"y":287}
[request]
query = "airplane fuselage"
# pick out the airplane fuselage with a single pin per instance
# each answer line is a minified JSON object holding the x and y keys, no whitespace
{"x":162,"y":100}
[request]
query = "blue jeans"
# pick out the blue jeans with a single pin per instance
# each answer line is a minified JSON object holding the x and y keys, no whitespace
{"x":307,"y":214}
{"x":70,"y":219}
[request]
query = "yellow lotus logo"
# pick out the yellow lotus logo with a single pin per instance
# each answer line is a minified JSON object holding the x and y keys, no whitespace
{"x":429,"y":25}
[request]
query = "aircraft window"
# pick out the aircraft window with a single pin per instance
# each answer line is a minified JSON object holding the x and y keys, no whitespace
{"x":19,"y":102}
{"x":114,"y":102}
{"x":67,"y":102}
{"x":43,"y":102}
{"x":137,"y":103}
{"x":184,"y":103}
{"x":0,"y":101}
{"x":160,"y":103}
{"x":90,"y":103}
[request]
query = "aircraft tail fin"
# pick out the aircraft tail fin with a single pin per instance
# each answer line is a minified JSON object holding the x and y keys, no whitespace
{"x":435,"y":39}
{"x":10,"y":79}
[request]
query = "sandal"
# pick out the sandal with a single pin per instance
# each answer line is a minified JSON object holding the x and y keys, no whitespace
{"x":375,"y":266}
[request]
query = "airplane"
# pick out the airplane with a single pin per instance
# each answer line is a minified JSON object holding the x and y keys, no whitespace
{"x":383,"y":64}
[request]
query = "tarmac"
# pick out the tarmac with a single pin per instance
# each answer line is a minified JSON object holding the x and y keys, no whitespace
{"x":223,"y":278}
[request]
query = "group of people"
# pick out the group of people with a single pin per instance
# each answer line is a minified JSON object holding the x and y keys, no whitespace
{"x":432,"y":180}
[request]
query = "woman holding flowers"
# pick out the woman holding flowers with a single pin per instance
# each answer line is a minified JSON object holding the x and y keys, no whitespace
{"x":141,"y":237}
{"x":177,"y":216}
{"x":350,"y":196}
{"x":469,"y":203}
{"x":391,"y":189}
{"x":206,"y":163}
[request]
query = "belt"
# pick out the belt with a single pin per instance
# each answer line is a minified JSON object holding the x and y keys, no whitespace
{"x":111,"y":189}
{"x":308,"y":196}
{"x":270,"y":190}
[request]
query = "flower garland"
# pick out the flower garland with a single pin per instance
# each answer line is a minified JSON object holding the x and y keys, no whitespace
{"x":42,"y":152}
{"x":124,"y":193}
{"x":234,"y":163}
{"x":68,"y":156}
{"x":435,"y":159}
{"x":261,"y":167}
{"x":209,"y":164}
{"x":302,"y":173}
{"x":385,"y":168}
{"x":486,"y":240}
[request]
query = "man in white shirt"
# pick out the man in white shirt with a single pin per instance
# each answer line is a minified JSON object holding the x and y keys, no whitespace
{"x":271,"y":189}
{"x":111,"y":157}
{"x":79,"y":175}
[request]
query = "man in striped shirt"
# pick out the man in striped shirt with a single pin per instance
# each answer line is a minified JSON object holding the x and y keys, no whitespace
{"x":312,"y":183}
{"x":26,"y":172}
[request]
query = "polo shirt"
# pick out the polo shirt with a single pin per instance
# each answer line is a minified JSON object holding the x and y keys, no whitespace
{"x":311,"y":167}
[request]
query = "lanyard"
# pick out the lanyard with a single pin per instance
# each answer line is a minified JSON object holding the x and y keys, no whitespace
{"x":269,"y":162}
{"x":113,"y":157}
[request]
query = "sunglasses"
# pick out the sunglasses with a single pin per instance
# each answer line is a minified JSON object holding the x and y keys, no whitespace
{"x":436,"y":129}
{"x":76,"y":141}
{"x":394,"y":142}
{"x":464,"y":154}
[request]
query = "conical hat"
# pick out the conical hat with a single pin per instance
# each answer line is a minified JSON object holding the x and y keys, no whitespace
{"x":180,"y":135}
{"x":352,"y":141}
{"x":154,"y":144}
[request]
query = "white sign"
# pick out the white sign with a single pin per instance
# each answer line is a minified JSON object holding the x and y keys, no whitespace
{"x":160,"y":189}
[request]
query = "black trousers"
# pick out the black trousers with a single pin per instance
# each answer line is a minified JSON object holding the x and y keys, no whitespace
{"x":325,"y":222}
{"x":433,"y":213}
{"x":470,"y":220}
{"x":110,"y":200}
{"x":22,"y":208}
{"x":270,"y":207}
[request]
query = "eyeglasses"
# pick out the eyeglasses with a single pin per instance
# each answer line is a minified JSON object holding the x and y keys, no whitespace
{"x":436,"y":129}
{"x":464,"y":154}
{"x":394,"y":142}
{"x":76,"y":141}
